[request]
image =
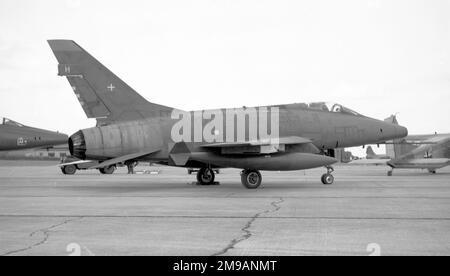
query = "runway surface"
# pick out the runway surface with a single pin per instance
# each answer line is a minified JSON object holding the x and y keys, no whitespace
{"x":43,"y":212}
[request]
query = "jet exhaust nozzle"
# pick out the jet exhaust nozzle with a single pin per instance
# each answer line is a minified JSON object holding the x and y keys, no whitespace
{"x":77,"y":145}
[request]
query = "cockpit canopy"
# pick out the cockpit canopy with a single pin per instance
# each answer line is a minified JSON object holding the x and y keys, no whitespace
{"x":330,"y":107}
{"x":8,"y":122}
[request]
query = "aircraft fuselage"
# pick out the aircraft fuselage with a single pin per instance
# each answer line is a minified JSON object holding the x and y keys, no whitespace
{"x":23,"y":137}
{"x":326,"y":131}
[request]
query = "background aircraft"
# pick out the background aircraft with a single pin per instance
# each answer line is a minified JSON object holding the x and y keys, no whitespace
{"x":15,"y":136}
{"x":129,"y":128}
{"x":429,"y":152}
{"x":370,"y":154}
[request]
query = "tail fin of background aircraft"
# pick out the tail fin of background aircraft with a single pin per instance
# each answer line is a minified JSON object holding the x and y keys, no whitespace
{"x":370,"y":152}
{"x":102,"y":94}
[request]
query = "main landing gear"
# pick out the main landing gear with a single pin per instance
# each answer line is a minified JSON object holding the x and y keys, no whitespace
{"x":206,"y":176}
{"x":251,"y":179}
{"x":328,"y":178}
{"x":69,"y":169}
{"x":107,"y":170}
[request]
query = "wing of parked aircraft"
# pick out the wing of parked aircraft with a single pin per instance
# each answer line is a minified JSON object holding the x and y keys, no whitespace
{"x":369,"y":162}
{"x":263,"y":142}
{"x":263,"y":146}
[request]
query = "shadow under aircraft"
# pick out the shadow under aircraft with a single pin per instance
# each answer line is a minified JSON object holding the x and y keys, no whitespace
{"x":16,"y":136}
{"x":129,"y":128}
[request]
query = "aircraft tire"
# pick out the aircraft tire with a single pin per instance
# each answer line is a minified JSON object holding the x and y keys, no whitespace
{"x":69,"y":170}
{"x":205,"y":176}
{"x":107,"y":170}
{"x":251,"y":179}
{"x":389,"y":173}
{"x":327,"y":179}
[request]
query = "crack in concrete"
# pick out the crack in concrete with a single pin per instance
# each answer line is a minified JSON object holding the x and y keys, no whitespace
{"x":46,"y":232}
{"x":246,"y":229}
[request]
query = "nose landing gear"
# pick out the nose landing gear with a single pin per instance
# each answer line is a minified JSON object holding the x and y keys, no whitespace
{"x":328,"y":178}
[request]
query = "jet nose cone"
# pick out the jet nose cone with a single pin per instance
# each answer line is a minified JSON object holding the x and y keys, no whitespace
{"x":401,"y":131}
{"x":392,"y":132}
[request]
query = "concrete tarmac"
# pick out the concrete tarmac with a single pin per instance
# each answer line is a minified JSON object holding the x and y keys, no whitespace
{"x":43,"y":212}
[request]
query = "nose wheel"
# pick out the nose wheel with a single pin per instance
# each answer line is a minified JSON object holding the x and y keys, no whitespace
{"x":328,"y":178}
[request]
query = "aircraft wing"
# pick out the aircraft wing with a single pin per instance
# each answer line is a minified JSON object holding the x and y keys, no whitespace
{"x":123,"y":158}
{"x":264,"y":142}
{"x":369,"y":162}
{"x":263,"y":146}
{"x":418,"y":140}
{"x":420,"y":163}
{"x":416,"y":143}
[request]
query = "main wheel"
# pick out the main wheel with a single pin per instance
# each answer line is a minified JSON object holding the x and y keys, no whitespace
{"x":389,"y":173}
{"x":69,"y":169}
{"x":327,"y":179}
{"x":205,"y":176}
{"x":251,"y":179}
{"x":107,"y":170}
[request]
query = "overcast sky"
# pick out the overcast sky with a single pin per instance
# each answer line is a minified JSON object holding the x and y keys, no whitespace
{"x":376,"y":57}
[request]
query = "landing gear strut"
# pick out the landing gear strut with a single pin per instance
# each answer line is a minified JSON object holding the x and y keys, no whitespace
{"x":205,"y":176}
{"x":251,"y":179}
{"x":328,"y":178}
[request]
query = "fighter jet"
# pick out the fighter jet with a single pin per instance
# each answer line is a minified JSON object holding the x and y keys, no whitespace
{"x":15,"y":136}
{"x":267,"y":138}
{"x":430,"y":152}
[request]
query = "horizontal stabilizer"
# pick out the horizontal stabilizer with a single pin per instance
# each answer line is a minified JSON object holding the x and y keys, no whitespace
{"x":79,"y":162}
{"x":122,"y":159}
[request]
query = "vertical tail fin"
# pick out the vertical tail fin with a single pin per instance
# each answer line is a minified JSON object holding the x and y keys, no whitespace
{"x":102,"y":94}
{"x":370,"y":153}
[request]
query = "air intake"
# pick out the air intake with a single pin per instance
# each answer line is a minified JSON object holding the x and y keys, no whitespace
{"x":77,"y":145}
